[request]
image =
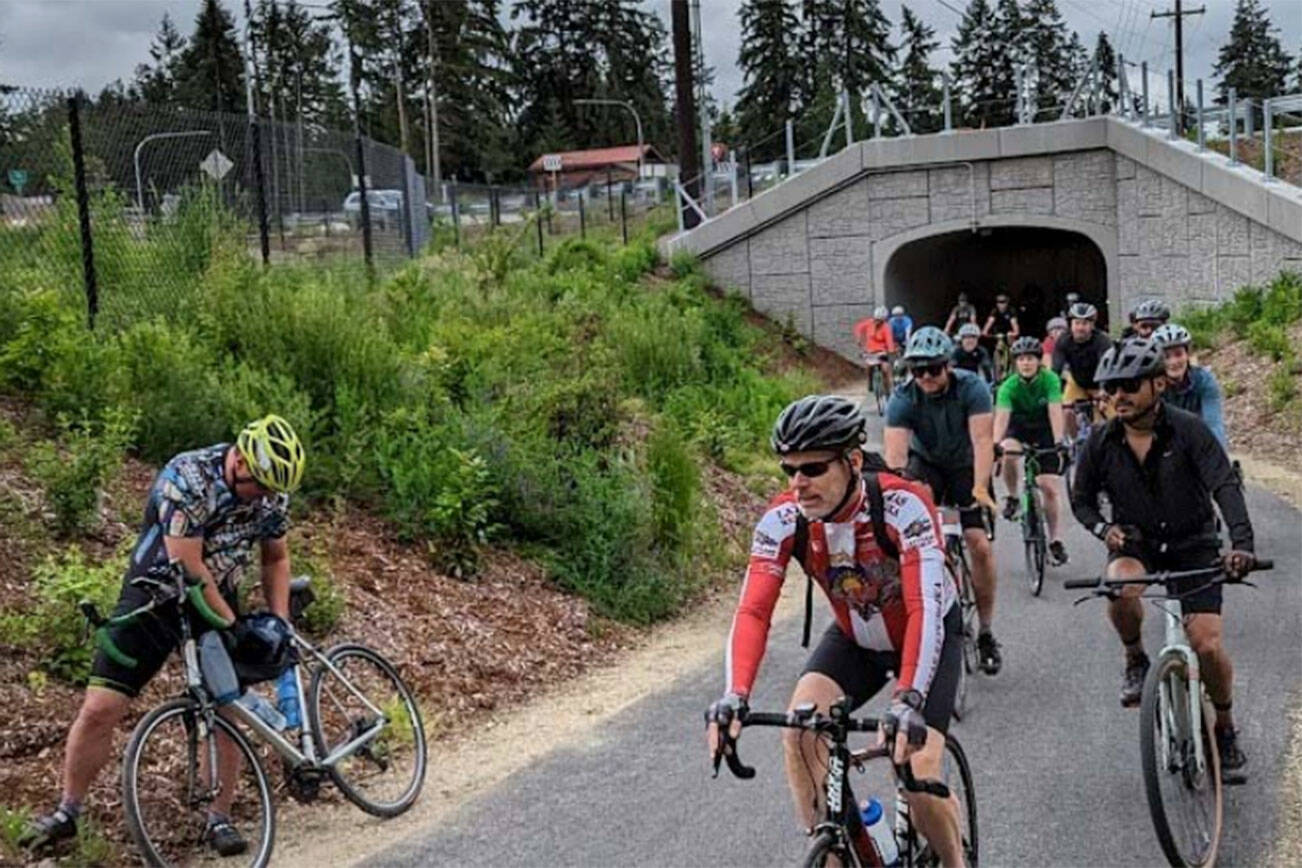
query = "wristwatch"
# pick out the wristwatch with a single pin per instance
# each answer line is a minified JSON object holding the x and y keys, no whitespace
{"x":911,"y":698}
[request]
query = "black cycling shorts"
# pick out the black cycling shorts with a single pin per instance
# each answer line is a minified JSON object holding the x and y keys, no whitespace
{"x":1195,"y":595}
{"x":1040,"y":438}
{"x":861,"y":673}
{"x":948,"y":488}
{"x":150,"y":640}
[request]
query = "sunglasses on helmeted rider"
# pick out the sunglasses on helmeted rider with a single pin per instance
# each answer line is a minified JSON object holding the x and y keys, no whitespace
{"x":1130,"y":385}
{"x":811,"y":469}
{"x":930,"y":369}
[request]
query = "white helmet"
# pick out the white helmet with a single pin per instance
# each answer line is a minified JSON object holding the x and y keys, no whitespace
{"x":898,"y":310}
{"x":880,"y":312}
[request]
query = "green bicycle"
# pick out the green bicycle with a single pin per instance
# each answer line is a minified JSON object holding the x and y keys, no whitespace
{"x":361,"y":729}
{"x":1032,"y":516}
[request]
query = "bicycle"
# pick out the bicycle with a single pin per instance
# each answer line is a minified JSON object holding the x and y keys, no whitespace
{"x":876,"y":379}
{"x":1177,"y":744}
{"x":1003,"y":360}
{"x":1084,"y":413}
{"x":841,"y":834}
{"x":1032,"y":515}
{"x":960,"y":569}
{"x":348,"y":738}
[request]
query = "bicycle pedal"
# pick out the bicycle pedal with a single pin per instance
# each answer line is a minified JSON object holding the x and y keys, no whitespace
{"x":1233,"y":779}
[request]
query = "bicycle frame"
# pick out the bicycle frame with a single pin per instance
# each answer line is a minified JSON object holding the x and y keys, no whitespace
{"x":1177,"y":643}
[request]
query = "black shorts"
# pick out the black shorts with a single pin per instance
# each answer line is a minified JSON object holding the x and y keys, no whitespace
{"x":1200,"y":598}
{"x":948,"y":488}
{"x":1040,"y":438}
{"x":861,"y":673}
{"x":150,"y":640}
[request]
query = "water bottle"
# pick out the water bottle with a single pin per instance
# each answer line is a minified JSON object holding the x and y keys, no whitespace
{"x":874,"y":820}
{"x":256,"y":703}
{"x":287,"y":698}
{"x":218,"y":671}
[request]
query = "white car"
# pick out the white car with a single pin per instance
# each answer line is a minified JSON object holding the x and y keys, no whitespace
{"x":385,"y":208}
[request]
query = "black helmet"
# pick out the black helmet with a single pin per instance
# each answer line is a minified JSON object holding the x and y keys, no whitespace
{"x":1151,"y":309}
{"x":1083,"y":310}
{"x":1133,"y":357}
{"x":1026,"y":346}
{"x":263,"y":648}
{"x":818,"y":422}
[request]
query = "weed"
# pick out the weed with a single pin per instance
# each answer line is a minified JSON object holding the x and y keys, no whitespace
{"x":74,"y":471}
{"x":1280,"y":387}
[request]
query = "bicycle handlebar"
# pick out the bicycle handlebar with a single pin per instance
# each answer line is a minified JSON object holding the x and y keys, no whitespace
{"x":1100,"y":583}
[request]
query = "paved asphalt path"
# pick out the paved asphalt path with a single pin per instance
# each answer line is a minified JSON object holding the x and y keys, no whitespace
{"x":1055,"y":757}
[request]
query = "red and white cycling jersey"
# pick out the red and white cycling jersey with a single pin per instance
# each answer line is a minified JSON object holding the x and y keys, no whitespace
{"x":882,"y":604}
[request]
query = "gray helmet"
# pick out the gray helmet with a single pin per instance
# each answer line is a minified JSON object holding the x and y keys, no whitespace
{"x":1083,"y":310}
{"x":1133,"y":357}
{"x":1026,"y":345}
{"x":969,"y":330}
{"x":818,"y":422}
{"x":1056,"y":323}
{"x":1151,"y":308}
{"x":928,"y":342}
{"x":898,"y":310}
{"x":1172,"y":335}
{"x":880,"y":312}
{"x":1072,"y":298}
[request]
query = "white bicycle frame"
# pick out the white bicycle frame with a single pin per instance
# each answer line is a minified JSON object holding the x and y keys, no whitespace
{"x":1177,"y":643}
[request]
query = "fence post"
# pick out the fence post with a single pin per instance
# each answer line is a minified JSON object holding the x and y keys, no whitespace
{"x":1234,"y":127}
{"x":610,"y":200}
{"x":583,"y":218}
{"x":623,"y":217}
{"x":1202,"y":131}
{"x":83,"y":210}
{"x":537,"y":206}
{"x":1267,"y":145}
{"x":1123,"y":89}
{"x":1143,"y":67}
{"x":877,"y":112}
{"x":366,"y":205}
{"x":732,"y":161}
{"x":260,"y":183}
{"x":949,"y":120}
{"x":750,"y":185}
{"x":456,"y":214}
{"x":1171,"y":108}
{"x":791,"y":148}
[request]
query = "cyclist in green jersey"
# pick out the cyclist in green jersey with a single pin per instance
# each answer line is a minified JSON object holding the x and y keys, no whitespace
{"x":1028,"y":410}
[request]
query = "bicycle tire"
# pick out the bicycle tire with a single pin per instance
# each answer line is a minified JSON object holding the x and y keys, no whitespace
{"x":825,"y":844}
{"x":971,"y":628}
{"x":967,"y":801}
{"x":960,"y":693}
{"x":411,"y":792}
{"x":1150,"y":709}
{"x":149,"y":724}
{"x":1033,"y":533}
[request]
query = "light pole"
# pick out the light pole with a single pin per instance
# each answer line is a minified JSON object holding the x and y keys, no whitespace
{"x":135,"y":158}
{"x":636,"y":120}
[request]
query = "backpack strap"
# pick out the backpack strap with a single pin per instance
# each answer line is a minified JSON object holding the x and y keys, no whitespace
{"x":799,"y":549}
{"x":877,"y":512}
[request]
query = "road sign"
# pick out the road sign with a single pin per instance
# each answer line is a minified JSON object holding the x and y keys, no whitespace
{"x":216,"y":164}
{"x":18,"y":179}
{"x":551,"y":162}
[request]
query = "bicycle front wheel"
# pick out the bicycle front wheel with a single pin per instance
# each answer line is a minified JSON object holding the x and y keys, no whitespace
{"x":957,"y":775}
{"x":827,"y":848}
{"x":362,"y":709}
{"x":169,"y":784}
{"x":1185,"y":802}
{"x":1033,"y":539}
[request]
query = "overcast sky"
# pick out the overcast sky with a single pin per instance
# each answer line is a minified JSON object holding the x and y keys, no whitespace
{"x":89,"y":43}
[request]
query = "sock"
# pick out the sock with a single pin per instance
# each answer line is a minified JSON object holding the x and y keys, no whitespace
{"x":1224,"y":721}
{"x":71,"y":807}
{"x":1134,"y":650}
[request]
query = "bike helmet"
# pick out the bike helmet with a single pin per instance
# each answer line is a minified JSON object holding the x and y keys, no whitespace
{"x":1026,"y":346}
{"x":1072,"y":298}
{"x":928,"y":343}
{"x":898,"y":310}
{"x":1083,"y":310}
{"x":818,"y":422}
{"x":263,"y":648}
{"x":880,"y":312}
{"x":1056,"y":323}
{"x":1151,"y":309}
{"x":273,"y":453}
{"x":1172,"y":335}
{"x":969,"y":330}
{"x":1133,"y":357}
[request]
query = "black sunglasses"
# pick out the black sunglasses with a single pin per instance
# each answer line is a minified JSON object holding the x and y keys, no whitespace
{"x":1130,"y":385}
{"x":930,"y":369}
{"x":811,"y":469}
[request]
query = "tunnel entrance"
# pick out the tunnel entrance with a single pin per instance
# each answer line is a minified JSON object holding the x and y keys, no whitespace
{"x":1037,"y":267}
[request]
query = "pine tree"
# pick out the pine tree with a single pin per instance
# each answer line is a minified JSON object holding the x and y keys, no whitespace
{"x":725,"y":128}
{"x":846,"y":46}
{"x":1052,"y":56}
{"x":299,"y":65}
{"x":637,"y":69}
{"x":916,"y":93}
{"x":157,"y":83}
{"x":972,"y":70}
{"x":1253,"y":62}
{"x":771,"y":72}
{"x":210,"y":70}
{"x":1010,"y":34}
{"x":1110,"y":88}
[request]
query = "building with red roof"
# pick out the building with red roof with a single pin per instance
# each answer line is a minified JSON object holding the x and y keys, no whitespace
{"x":595,"y":165}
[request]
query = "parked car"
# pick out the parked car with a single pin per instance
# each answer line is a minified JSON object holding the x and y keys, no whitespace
{"x":385,"y":208}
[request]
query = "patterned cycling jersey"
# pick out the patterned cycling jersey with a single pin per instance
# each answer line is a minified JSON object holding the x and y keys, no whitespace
{"x":190,"y":498}
{"x":881,"y":604}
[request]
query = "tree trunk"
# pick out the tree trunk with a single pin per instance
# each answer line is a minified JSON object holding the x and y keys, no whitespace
{"x":689,"y":167}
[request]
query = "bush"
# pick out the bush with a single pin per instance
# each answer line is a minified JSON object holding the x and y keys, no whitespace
{"x":73,"y":471}
{"x":1281,"y":387}
{"x":684,"y":263}
{"x":675,"y":488}
{"x":1269,"y":340}
{"x":575,"y":254}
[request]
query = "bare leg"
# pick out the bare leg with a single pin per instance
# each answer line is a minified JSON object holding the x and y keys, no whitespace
{"x":228,"y":774}
{"x":1204,"y":629}
{"x":983,"y":574}
{"x":1051,"y":486}
{"x":804,"y":754}
{"x":90,"y":740}
{"x":1127,"y":612}
{"x":936,"y":819}
{"x":1012,"y":468}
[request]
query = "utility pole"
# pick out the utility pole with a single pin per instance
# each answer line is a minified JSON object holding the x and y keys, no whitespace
{"x":1178,"y":14}
{"x":432,"y":105}
{"x":688,"y":166}
{"x":707,"y":151}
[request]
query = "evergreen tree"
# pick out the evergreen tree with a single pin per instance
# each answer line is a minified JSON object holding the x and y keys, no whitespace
{"x":1010,"y":32}
{"x":210,"y":70}
{"x":917,"y":95}
{"x":1052,"y":56}
{"x":636,"y":69}
{"x":1253,"y":62}
{"x":726,"y":129}
{"x":1109,"y":88}
{"x":298,"y":64}
{"x":975,"y":58}
{"x":157,"y":83}
{"x":846,"y":46}
{"x":771,"y":72}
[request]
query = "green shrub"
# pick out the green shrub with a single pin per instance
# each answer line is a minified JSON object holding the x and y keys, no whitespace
{"x":631,"y":262}
{"x":675,"y":487}
{"x":576,"y":254}
{"x":73,"y":471}
{"x":42,"y":329}
{"x":581,"y":410}
{"x":1281,"y":388}
{"x":684,"y":263}
{"x":1269,"y":339}
{"x":1281,"y":303}
{"x":53,"y":626}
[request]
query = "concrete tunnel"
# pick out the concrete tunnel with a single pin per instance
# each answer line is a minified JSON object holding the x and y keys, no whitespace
{"x":1036,"y":266}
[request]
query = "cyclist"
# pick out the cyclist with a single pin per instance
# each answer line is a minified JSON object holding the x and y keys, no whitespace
{"x":1070,"y":299}
{"x":1190,"y":387}
{"x":1161,"y":468}
{"x":1001,"y":329}
{"x":1053,"y":330}
{"x":960,"y":313}
{"x":970,"y":355}
{"x":1076,"y":356}
{"x":877,"y":342}
{"x":901,"y":325}
{"x":1028,"y":410}
{"x":871,"y":540}
{"x":206,"y":510}
{"x":1145,"y":317}
{"x":940,"y":425}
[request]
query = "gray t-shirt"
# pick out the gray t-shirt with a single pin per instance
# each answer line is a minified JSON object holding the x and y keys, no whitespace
{"x":939,"y":422}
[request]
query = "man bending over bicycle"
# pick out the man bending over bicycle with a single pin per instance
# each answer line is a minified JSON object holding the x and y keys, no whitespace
{"x":1028,"y":411}
{"x":872,"y":542}
{"x":205,"y":511}
{"x":1161,"y":468}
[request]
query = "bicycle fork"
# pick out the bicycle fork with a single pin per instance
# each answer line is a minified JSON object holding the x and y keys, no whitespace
{"x":1177,"y":644}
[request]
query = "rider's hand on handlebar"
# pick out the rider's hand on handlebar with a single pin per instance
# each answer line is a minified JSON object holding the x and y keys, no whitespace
{"x":1115,"y":537}
{"x":904,"y":719}
{"x":982,"y":497}
{"x":727,"y":711}
{"x":1238,"y":564}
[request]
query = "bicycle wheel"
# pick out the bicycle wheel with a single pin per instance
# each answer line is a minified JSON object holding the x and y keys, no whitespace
{"x":167,"y":788}
{"x":1185,"y":803}
{"x":957,"y":775}
{"x":1033,"y":539}
{"x":967,"y":599}
{"x":879,"y":390}
{"x":960,"y":695}
{"x":827,"y":845}
{"x":357,"y":692}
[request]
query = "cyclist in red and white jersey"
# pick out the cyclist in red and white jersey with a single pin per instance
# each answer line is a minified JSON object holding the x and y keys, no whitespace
{"x":872,"y":541}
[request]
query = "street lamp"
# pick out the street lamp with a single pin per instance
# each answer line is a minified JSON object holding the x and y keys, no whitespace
{"x":636,"y":120}
{"x":135,"y":158}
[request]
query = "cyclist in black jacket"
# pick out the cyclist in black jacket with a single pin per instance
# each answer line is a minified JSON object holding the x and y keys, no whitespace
{"x":1161,"y":468}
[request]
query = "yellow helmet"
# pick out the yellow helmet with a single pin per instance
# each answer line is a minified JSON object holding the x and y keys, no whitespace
{"x":273,"y":453}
